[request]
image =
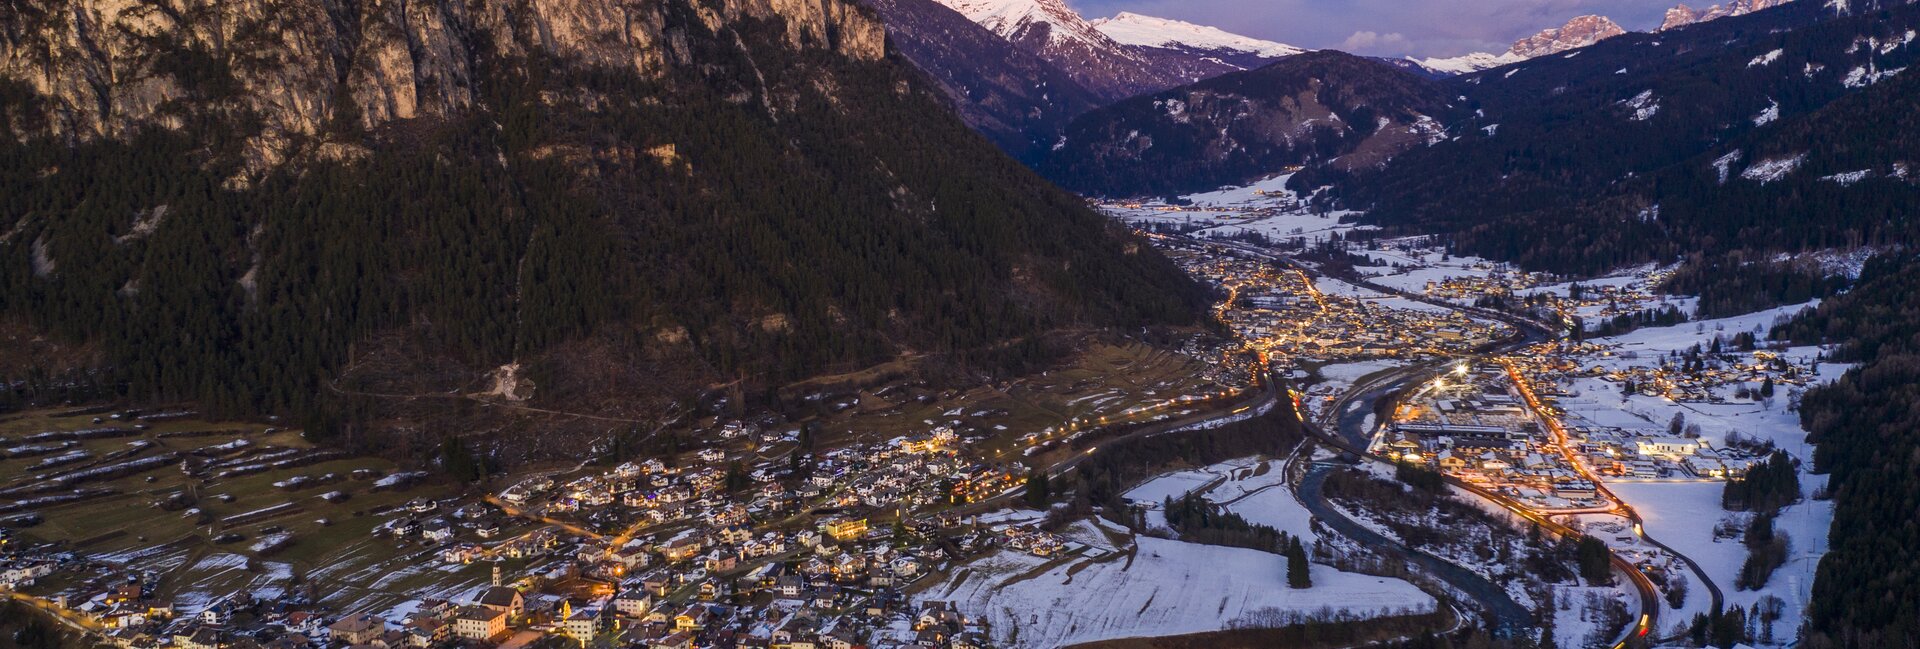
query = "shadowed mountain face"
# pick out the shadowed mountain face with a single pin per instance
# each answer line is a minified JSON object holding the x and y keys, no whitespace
{"x":1775,"y":131}
{"x":280,"y":205}
{"x":1316,"y":108}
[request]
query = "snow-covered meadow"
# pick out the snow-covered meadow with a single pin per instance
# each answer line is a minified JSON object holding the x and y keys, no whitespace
{"x":1159,"y":588}
{"x":1149,"y":587}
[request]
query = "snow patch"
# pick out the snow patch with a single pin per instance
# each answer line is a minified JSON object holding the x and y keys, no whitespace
{"x":1643,"y":105}
{"x":1767,"y":116}
{"x":1867,"y":75}
{"x":1765,"y":59}
{"x":1724,"y":164}
{"x":1772,"y":169}
{"x":1848,"y":178}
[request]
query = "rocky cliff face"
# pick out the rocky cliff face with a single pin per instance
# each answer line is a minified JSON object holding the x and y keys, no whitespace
{"x":1682,"y":15}
{"x":1577,"y":33}
{"x":299,"y":66}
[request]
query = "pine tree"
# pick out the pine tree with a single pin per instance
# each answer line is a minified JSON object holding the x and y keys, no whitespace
{"x":1595,"y":562}
{"x":1298,"y":573}
{"x":1037,"y":489}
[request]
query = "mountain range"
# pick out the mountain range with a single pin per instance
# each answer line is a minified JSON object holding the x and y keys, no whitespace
{"x":1019,"y":71}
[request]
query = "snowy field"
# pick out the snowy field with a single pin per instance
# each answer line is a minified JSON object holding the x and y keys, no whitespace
{"x":1253,"y":488}
{"x":1346,"y":374}
{"x":1177,"y":484}
{"x":1266,"y":500}
{"x":1152,"y":587}
{"x":1258,"y":194}
{"x":1165,"y":588}
{"x":1683,"y":515}
{"x":1265,"y":207}
{"x":1421,"y":266}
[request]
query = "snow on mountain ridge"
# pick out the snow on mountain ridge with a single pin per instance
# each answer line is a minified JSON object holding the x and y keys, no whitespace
{"x":1135,"y":29}
{"x":1008,"y":17}
{"x":1463,"y":64}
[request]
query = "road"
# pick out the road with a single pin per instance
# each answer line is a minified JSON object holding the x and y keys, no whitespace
{"x":72,"y":619}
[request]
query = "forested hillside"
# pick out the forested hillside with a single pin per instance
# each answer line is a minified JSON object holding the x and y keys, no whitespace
{"x":1653,"y":146}
{"x":1315,"y":108}
{"x":1867,"y":593}
{"x":763,"y":197}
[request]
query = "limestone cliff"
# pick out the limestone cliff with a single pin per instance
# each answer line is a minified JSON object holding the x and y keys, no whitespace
{"x":106,"y":66}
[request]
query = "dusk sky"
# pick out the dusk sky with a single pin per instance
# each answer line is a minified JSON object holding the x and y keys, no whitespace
{"x":1388,"y":27}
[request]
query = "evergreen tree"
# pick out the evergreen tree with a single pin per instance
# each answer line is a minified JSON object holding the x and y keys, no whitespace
{"x":460,"y":462}
{"x":1038,"y":494}
{"x":1595,"y":561}
{"x":737,"y":478}
{"x":1299,"y":575}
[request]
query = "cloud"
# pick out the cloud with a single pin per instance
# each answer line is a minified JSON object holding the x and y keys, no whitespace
{"x":1369,"y":41}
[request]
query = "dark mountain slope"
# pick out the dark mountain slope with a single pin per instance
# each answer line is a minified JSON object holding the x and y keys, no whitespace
{"x":1866,"y":593}
{"x":607,"y":221}
{"x":1568,"y":157}
{"x":1013,"y":97}
{"x":1319,"y":107}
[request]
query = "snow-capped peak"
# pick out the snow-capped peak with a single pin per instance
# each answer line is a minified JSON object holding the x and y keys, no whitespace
{"x":1134,"y":29}
{"x":1008,"y":18}
{"x":1463,"y":64}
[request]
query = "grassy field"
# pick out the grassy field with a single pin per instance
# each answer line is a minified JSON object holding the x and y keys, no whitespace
{"x":1105,"y":381}
{"x":339,"y":560}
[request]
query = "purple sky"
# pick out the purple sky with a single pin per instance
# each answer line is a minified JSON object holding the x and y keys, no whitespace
{"x":1389,"y":27}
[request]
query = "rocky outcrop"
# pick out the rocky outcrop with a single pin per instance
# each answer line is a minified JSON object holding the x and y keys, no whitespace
{"x":107,"y":66}
{"x":1682,"y":15}
{"x":1577,"y":33}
